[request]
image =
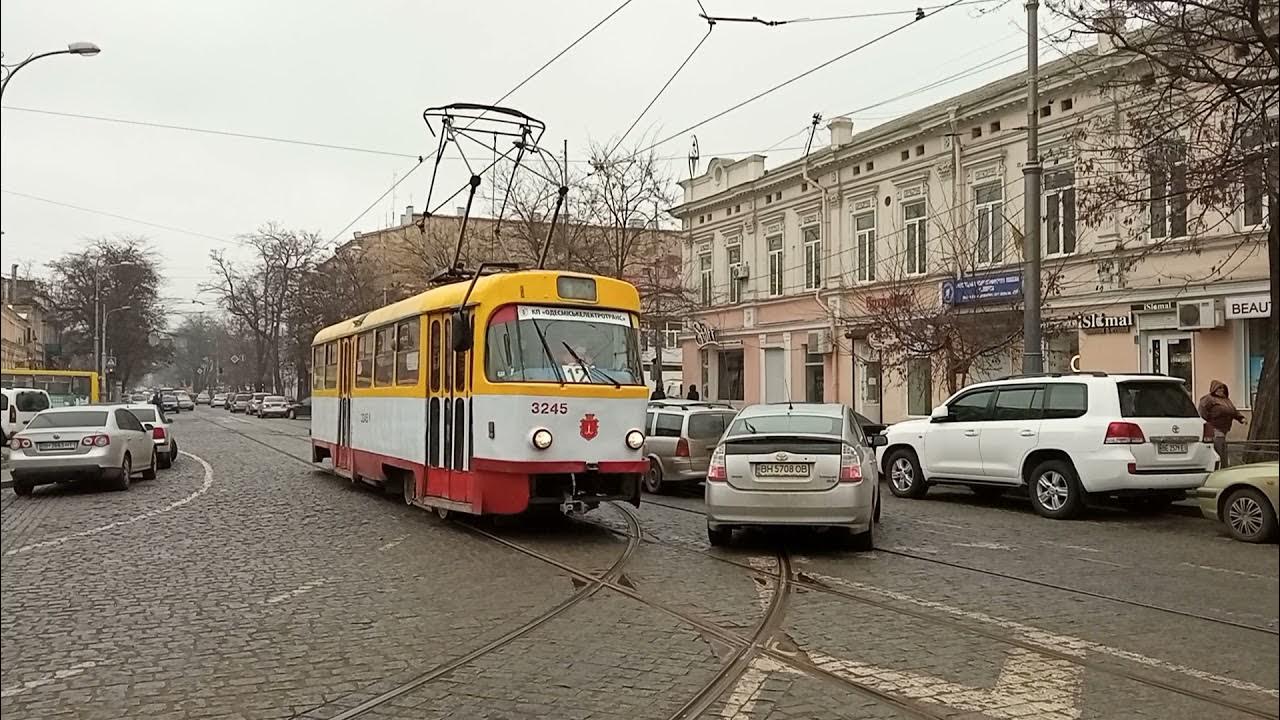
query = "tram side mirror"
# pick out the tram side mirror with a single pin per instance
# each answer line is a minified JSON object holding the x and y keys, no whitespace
{"x":460,"y":331}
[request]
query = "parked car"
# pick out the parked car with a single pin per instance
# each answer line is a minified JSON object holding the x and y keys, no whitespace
{"x":679,"y":438}
{"x":273,"y":406}
{"x":140,"y":397}
{"x":67,"y":443}
{"x":1065,"y":437}
{"x":218,"y":400}
{"x":169,"y":402}
{"x":255,"y":402}
{"x":17,"y":407}
{"x":299,"y":409}
{"x":157,"y":423}
{"x":202,"y":398}
{"x":803,"y":464}
{"x":239,"y":402}
{"x":184,"y":401}
{"x":1244,"y":498}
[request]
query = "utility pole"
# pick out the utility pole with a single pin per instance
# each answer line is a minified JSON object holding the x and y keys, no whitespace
{"x":1032,"y":354}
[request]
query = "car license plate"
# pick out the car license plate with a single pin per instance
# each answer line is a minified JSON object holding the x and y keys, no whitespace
{"x":782,"y":469}
{"x":58,"y":445}
{"x":1179,"y":448}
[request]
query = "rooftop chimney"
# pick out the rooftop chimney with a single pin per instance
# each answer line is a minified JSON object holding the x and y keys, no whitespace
{"x":841,"y":131}
{"x":460,"y":211}
{"x":407,"y":218}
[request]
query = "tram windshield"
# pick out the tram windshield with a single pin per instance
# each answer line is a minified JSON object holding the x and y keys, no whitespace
{"x":529,"y":343}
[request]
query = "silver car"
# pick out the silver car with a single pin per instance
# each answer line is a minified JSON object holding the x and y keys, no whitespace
{"x":795,"y":464}
{"x":273,"y":406}
{"x":184,"y":401}
{"x":161,"y":429}
{"x":106,"y":442}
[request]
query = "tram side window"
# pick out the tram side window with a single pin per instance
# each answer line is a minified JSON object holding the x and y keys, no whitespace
{"x":331,"y":366}
{"x":407,"y":352}
{"x":317,"y":367}
{"x":460,"y":371}
{"x":384,"y":356}
{"x":435,"y":356}
{"x":364,"y":360}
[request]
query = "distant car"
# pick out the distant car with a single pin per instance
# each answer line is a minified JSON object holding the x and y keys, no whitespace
{"x":18,"y":406}
{"x":218,"y":400}
{"x":679,"y":438}
{"x":169,"y":402}
{"x":255,"y":402}
{"x":202,"y":398}
{"x":140,"y":397}
{"x":299,"y":409}
{"x":184,"y":401}
{"x":161,"y":433}
{"x":803,"y":464}
{"x":239,"y":402}
{"x":273,"y":406}
{"x":1244,"y":498}
{"x":105,"y":442}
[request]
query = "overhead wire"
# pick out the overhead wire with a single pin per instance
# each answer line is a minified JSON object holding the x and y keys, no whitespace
{"x":710,"y":26}
{"x":117,"y":216}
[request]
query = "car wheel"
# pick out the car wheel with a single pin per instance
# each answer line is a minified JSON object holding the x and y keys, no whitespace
{"x":719,"y":536}
{"x":906,"y":479}
{"x":150,"y":472}
{"x":126,"y":473}
{"x":23,"y":487}
{"x":1055,"y":490}
{"x":164,"y":460}
{"x":652,"y":481}
{"x":1249,"y":516}
{"x":864,"y":541}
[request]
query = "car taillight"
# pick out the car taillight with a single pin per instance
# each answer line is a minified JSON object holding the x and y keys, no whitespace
{"x":1206,"y":435}
{"x":157,"y":433}
{"x":19,"y":443}
{"x":1124,"y":433}
{"x":850,"y":467}
{"x":682,"y":448}
{"x":96,"y":440}
{"x":716,"y":471}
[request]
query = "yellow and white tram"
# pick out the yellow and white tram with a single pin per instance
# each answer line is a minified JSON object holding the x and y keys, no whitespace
{"x":509,"y":391}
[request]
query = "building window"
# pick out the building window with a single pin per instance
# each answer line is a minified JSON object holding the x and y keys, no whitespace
{"x":906,"y":155}
{"x":917,"y":234}
{"x":730,"y":385}
{"x":1067,"y":104}
{"x":733,"y":257}
{"x":919,"y":386}
{"x":813,"y":376}
{"x":704,"y":278}
{"x":989,"y":202}
{"x":1046,"y":111}
{"x":1255,"y":341}
{"x":995,"y":126}
{"x":871,"y":382}
{"x":975,"y":133}
{"x":1257,"y":149}
{"x":919,"y":150}
{"x":857,"y":170}
{"x":865,"y":246}
{"x":804,"y":187}
{"x":671,"y":336}
{"x":768,"y":199}
{"x":775,"y":265}
{"x":704,"y":372}
{"x":1060,"y":212}
{"x":1168,"y":198}
{"x":812,"y":257}
{"x":871,"y":165}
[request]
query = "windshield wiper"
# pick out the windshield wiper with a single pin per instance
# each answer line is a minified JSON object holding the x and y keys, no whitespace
{"x":588,"y":370}
{"x":547,"y":349}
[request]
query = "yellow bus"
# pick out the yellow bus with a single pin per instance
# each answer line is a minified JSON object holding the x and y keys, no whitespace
{"x":498,"y":394}
{"x":65,"y":387}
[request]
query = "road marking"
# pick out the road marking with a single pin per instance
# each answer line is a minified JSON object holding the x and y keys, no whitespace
{"x":1101,"y":562}
{"x":1054,"y":641}
{"x":741,"y":703}
{"x":62,"y":674}
{"x":54,"y":542}
{"x":936,"y":523}
{"x":1241,"y":573}
{"x":983,"y":545}
{"x":303,"y":588}
{"x":393,"y":543}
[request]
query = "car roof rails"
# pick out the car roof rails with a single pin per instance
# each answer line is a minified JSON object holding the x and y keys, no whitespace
{"x":682,"y":404}
{"x":1091,"y":373}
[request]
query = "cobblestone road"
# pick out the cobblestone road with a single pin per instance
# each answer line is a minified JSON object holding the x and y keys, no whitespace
{"x":244,"y":584}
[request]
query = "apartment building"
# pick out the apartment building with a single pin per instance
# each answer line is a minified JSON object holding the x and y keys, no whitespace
{"x":832,"y":277}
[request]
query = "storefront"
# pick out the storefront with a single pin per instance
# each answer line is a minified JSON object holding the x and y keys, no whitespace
{"x":1248,"y":314}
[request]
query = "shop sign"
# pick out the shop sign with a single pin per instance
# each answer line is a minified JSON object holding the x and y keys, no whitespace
{"x":887,"y":302}
{"x":982,"y":288}
{"x":1242,"y":307}
{"x":703,"y":333}
{"x":1104,"y":322}
{"x":1158,"y":306}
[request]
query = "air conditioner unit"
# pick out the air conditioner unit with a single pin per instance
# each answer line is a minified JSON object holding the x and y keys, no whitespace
{"x":1198,"y":315}
{"x":741,"y":271}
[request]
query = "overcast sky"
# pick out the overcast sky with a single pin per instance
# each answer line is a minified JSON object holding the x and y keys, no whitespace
{"x":360,"y":73}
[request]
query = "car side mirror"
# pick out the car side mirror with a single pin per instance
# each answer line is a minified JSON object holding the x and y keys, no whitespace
{"x":460,"y":331}
{"x":874,"y":429}
{"x":148,"y":427}
{"x":940,"y":414}
{"x":877,"y":440}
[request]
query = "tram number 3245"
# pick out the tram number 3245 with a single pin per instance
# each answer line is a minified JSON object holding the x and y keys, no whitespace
{"x":549,"y":408}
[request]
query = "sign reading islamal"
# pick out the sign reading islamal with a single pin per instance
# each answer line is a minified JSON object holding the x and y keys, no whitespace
{"x":1103,"y":322}
{"x":982,"y":288}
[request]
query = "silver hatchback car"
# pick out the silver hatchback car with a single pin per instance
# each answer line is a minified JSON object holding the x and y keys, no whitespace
{"x":795,"y":464}
{"x":105,"y":442}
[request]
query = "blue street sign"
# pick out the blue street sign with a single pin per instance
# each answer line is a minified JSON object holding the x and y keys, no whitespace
{"x":982,"y":288}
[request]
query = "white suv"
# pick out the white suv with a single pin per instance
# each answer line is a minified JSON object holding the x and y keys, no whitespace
{"x":1136,"y":437}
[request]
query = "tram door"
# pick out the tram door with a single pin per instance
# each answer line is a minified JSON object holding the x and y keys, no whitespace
{"x":448,"y":416}
{"x":342,"y":461}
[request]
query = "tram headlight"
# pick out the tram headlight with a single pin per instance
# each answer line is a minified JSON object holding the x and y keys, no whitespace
{"x":541,"y":438}
{"x":635,"y":439}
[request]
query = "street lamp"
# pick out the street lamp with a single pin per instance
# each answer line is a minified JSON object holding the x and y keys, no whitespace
{"x":87,"y":49}
{"x":106,"y":315}
{"x":100,"y":318}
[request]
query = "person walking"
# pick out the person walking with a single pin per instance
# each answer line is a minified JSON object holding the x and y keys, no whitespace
{"x":693,"y":392}
{"x":1217,"y":409}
